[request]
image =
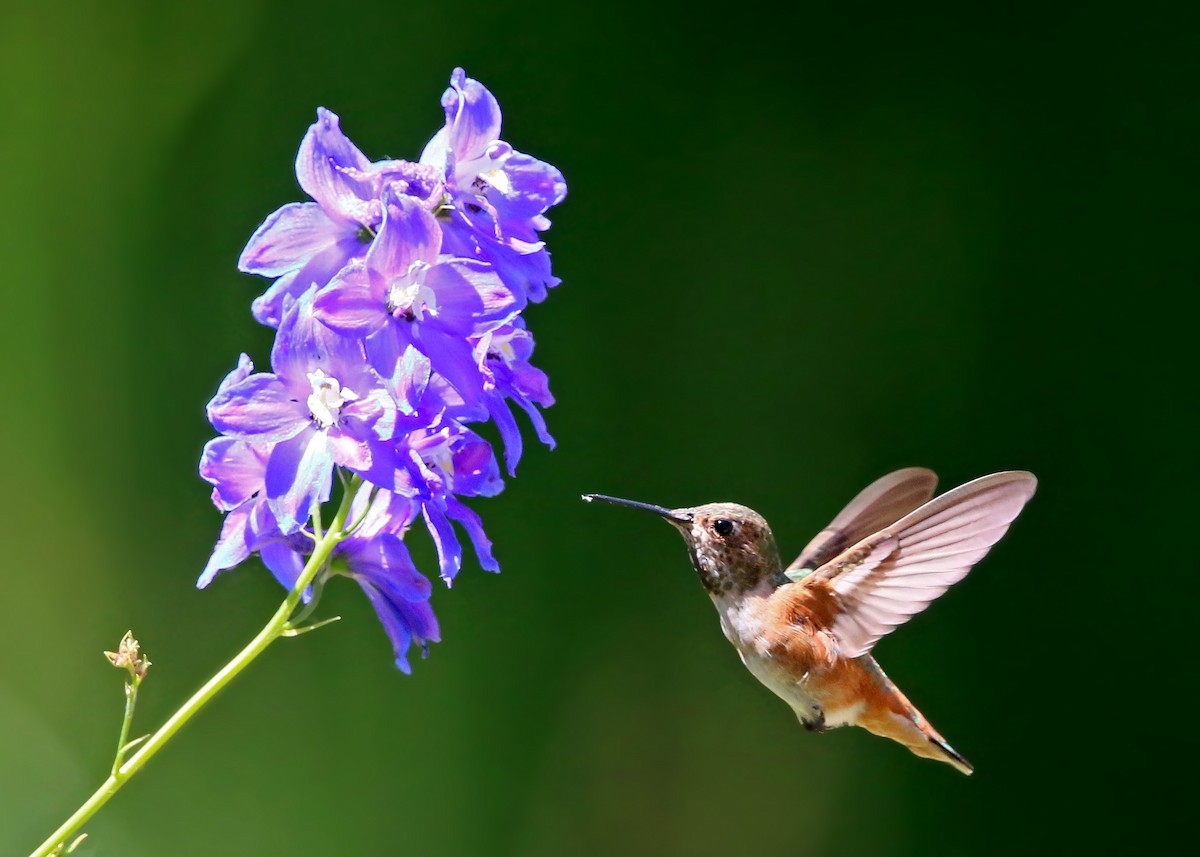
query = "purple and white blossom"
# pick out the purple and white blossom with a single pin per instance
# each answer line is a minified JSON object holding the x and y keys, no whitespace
{"x":405,"y":293}
{"x":374,"y":556}
{"x":498,"y":197}
{"x":380,"y":563}
{"x":396,"y":293}
{"x":237,"y":471}
{"x":322,"y":406}
{"x":503,"y":356}
{"x":307,"y":243}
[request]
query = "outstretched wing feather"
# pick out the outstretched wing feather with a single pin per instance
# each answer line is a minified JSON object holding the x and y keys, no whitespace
{"x":883,"y":502}
{"x":892,"y":575}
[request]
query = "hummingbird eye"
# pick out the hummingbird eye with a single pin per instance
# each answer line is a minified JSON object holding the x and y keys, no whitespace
{"x":722,"y":526}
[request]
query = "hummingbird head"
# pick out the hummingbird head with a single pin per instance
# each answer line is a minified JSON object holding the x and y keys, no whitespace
{"x":731,"y":546}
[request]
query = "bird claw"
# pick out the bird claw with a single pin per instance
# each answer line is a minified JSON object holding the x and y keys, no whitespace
{"x":816,"y":723}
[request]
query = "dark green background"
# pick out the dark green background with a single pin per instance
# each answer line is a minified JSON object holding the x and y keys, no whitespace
{"x":803,"y":245}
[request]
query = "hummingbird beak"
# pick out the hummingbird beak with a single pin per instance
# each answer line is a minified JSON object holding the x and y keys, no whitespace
{"x":672,"y":515}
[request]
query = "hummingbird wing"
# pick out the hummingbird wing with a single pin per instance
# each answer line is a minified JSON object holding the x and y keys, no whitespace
{"x":892,"y":575}
{"x":883,"y":502}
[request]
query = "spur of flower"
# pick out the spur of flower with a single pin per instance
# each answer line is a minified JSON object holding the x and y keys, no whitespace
{"x":396,"y":295}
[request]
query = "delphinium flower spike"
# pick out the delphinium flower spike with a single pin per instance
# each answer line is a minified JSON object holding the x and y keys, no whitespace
{"x":396,"y":295}
{"x":397,"y":300}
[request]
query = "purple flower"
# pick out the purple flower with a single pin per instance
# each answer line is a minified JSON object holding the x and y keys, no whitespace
{"x":498,"y":196}
{"x":320,"y":407}
{"x":427,"y":469}
{"x":307,"y":243}
{"x":373,"y":554}
{"x":399,"y":593}
{"x":238,"y":469}
{"x":504,"y":355}
{"x":397,"y":296}
{"x":377,"y":558}
{"x":437,"y":465}
{"x":405,"y":294}
{"x":433,"y":461}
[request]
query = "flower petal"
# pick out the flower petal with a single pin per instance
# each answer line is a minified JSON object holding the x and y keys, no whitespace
{"x":289,"y":238}
{"x":524,"y":266}
{"x":409,"y":234}
{"x":535,"y":417}
{"x":476,"y":473}
{"x":510,"y":434}
{"x":286,"y":564}
{"x":354,"y":301}
{"x":470,"y":296}
{"x":322,"y":164}
{"x":299,"y":475}
{"x":371,"y":417}
{"x":472,"y":116}
{"x":437,"y":149}
{"x":535,"y":184}
{"x":411,"y":380}
{"x":244,"y":368}
{"x":454,"y":358}
{"x":531,"y":382}
{"x":444,"y":539}
{"x":235,"y":468}
{"x":268,"y":308}
{"x":261,"y":409}
{"x":387,"y":469}
{"x":348,"y":451}
{"x":402,"y":620}
{"x":231,"y":548}
{"x":379,"y":511}
{"x":474,"y":526}
{"x":304,"y":344}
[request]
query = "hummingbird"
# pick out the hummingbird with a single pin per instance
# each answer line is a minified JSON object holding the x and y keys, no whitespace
{"x":807,"y":630}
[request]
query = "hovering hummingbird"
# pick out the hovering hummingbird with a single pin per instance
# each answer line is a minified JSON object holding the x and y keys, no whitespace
{"x":806,"y":631}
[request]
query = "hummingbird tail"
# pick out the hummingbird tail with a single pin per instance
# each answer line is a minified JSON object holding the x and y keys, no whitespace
{"x":914,"y":732}
{"x":952,"y":756}
{"x":890,"y":715}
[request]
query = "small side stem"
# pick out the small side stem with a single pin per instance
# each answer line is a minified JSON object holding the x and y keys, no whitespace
{"x":131,"y":690}
{"x":274,"y":629}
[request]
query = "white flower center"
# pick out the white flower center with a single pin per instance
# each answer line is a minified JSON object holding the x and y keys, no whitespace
{"x":499,"y":346}
{"x":503,"y":347}
{"x":409,"y":297}
{"x":498,"y":179}
{"x":328,"y":396}
{"x":435,"y":451}
{"x":487,"y":171}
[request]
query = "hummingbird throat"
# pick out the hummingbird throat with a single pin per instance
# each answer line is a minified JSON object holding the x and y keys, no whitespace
{"x":731,"y":568}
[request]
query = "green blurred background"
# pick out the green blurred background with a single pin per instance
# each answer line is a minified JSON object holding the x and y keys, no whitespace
{"x":804,"y":245}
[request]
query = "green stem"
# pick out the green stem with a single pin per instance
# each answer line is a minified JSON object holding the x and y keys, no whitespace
{"x":272,"y":631}
{"x":131,"y":689}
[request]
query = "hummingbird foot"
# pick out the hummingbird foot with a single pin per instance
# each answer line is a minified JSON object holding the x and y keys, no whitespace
{"x":815,"y":723}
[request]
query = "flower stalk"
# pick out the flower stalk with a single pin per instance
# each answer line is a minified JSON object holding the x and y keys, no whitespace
{"x":280,"y":625}
{"x":131,"y":690}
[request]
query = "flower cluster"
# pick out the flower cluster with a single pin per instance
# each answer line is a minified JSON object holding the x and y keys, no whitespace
{"x":396,"y":297}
